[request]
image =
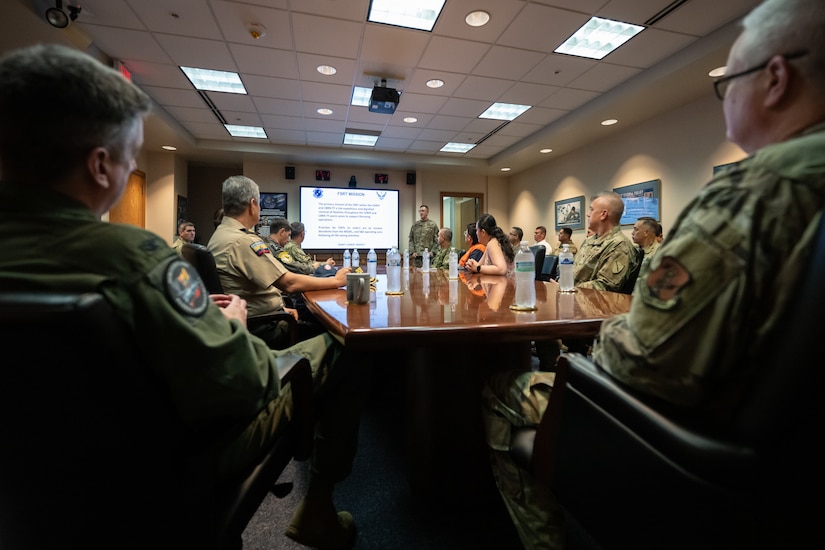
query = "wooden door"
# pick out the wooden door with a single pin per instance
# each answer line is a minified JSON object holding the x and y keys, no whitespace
{"x":132,"y":206}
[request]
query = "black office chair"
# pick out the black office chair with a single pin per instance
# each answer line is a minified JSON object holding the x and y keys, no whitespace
{"x":204,"y":262}
{"x":92,"y":453}
{"x":548,"y":269}
{"x":538,"y":252}
{"x":635,"y":472}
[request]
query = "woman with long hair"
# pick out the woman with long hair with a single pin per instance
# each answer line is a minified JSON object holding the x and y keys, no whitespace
{"x":498,"y":254}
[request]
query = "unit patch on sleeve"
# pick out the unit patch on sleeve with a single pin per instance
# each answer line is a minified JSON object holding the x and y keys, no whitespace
{"x":259,"y":248}
{"x":284,"y":256}
{"x":185,"y":289}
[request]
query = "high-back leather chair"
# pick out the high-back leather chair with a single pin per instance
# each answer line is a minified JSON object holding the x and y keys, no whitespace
{"x":548,"y":269}
{"x":204,"y":262}
{"x":92,"y":454}
{"x":538,"y":252}
{"x":636,"y":472}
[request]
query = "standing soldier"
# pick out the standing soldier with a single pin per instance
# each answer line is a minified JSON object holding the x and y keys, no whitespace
{"x":423,"y":234}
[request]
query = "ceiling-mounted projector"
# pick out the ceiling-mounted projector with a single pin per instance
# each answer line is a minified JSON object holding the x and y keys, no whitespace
{"x":383,"y":99}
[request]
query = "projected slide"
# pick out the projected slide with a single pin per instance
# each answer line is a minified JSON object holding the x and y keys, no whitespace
{"x":344,"y":217}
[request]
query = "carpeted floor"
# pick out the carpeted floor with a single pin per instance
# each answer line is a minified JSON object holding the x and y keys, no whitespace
{"x":378,"y":495}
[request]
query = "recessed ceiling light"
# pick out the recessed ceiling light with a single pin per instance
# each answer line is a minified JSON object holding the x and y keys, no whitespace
{"x":214,"y":81}
{"x":418,"y":14}
{"x":598,"y":37}
{"x":410,"y":119}
{"x":324,"y":111}
{"x":435,"y":83}
{"x":505,"y":169}
{"x":245,"y":131}
{"x":718,"y":71}
{"x":453,"y":147}
{"x":326,"y":69}
{"x":503,"y":111}
{"x":477,"y":18}
{"x":609,"y":122}
{"x":169,"y":147}
{"x":546,"y":151}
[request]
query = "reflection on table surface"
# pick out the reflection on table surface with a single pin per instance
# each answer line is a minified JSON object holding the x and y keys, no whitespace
{"x":434,"y":309}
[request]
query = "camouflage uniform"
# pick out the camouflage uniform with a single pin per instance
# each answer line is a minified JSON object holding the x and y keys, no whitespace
{"x":422,"y":235}
{"x":570,"y":245}
{"x":605,"y":261}
{"x":300,"y":259}
{"x":708,"y":302}
{"x":441,"y":259}
{"x":649,"y":251}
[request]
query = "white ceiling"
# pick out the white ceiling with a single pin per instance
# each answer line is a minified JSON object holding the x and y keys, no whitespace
{"x":508,"y":60}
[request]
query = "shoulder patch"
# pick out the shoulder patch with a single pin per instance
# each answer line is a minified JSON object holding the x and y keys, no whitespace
{"x":259,"y":248}
{"x":284,"y":256}
{"x":668,"y":279}
{"x":185,"y":289}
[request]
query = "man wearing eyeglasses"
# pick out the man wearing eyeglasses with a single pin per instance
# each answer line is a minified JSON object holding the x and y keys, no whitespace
{"x":711,"y":300}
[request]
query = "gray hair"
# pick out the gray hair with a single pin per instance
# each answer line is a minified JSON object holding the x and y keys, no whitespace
{"x":56,"y":105}
{"x":236,"y":194}
{"x":615,"y":205}
{"x":296,"y":228}
{"x":785,"y":26}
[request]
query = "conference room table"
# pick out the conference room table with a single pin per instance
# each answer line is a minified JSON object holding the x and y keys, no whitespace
{"x":448,"y":334}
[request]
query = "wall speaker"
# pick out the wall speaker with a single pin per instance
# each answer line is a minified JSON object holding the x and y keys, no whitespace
{"x":289,"y":172}
{"x":410,"y":178}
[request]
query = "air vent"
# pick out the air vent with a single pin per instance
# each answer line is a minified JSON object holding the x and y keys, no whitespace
{"x":211,"y":106}
{"x":499,"y":127}
{"x":664,"y":13}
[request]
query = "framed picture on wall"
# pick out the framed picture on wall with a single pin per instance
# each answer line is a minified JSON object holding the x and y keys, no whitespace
{"x":570,"y":213}
{"x":641,"y":199}
{"x":273,"y":205}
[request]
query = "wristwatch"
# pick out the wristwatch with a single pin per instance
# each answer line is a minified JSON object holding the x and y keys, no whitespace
{"x":478,"y":269}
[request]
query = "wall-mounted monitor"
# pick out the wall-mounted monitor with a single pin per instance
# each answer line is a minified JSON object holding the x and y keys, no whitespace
{"x":344,"y":217}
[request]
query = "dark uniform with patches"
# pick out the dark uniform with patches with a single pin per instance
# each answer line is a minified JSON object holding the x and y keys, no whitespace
{"x":709,"y":299}
{"x":223,"y":382}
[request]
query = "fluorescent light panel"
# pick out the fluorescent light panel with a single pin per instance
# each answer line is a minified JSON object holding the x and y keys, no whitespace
{"x":360,"y":139}
{"x":361,"y":96}
{"x":412,"y":14}
{"x":245,"y":131}
{"x":503,"y":111}
{"x":214,"y":81}
{"x":457,"y":147}
{"x":598,"y":37}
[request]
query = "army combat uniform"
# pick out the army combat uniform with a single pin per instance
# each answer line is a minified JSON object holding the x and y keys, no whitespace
{"x":604,"y":262}
{"x":422,"y":235}
{"x":441,"y":259}
{"x":708,"y":303}
{"x":223,"y":382}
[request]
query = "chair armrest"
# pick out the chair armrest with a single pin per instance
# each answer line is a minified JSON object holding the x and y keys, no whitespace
{"x":256,"y":321}
{"x":295,"y":370}
{"x":701,"y":454}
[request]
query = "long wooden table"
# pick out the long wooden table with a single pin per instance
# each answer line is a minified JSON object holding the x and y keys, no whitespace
{"x":449,"y":332}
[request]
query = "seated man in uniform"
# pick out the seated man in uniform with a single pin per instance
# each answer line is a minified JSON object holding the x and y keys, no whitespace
{"x":709,"y":302}
{"x":222,"y":381}
{"x":246,"y":265}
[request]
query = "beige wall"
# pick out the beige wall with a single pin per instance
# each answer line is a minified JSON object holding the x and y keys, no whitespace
{"x":679,"y":148}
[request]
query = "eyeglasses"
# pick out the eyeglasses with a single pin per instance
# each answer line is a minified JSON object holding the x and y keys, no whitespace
{"x":720,"y":85}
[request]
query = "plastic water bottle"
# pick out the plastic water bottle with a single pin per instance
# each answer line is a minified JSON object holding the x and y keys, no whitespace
{"x":347,"y":258}
{"x":356,"y":259}
{"x":525,"y":277}
{"x":566,"y":269}
{"x":393,"y":270}
{"x":425,"y":262}
{"x":406,"y":259}
{"x":372,"y":263}
{"x":452,"y":262}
